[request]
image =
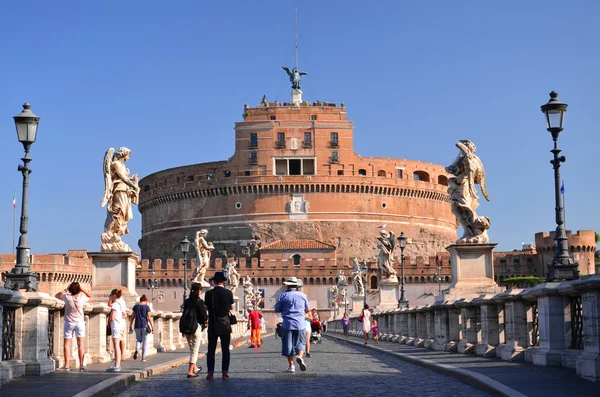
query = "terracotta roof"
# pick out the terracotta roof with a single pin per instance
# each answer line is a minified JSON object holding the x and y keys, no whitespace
{"x":295,"y":245}
{"x":76,"y":253}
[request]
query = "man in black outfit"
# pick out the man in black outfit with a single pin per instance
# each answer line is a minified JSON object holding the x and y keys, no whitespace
{"x":218,"y":301}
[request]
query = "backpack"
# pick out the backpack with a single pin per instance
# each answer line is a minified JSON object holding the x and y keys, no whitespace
{"x":188,"y":324}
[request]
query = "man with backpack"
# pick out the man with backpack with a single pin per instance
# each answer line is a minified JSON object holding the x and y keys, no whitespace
{"x":194,"y":314}
{"x":219,"y":303}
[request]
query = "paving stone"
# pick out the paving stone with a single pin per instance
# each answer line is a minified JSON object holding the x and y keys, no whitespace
{"x":336,"y":367}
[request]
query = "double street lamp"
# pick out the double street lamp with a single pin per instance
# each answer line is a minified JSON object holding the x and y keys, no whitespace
{"x":562,"y":267}
{"x":185,"y":247}
{"x":402,"y":302}
{"x":21,"y":276}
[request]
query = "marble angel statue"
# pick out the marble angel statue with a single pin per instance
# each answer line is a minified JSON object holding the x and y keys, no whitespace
{"x":204,"y":250}
{"x":120,"y":192}
{"x":233,"y":276}
{"x":386,"y":242}
{"x":248,"y":292}
{"x":468,"y":171}
{"x":357,"y":278}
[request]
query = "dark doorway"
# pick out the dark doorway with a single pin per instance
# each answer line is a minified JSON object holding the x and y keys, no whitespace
{"x":295,"y":167}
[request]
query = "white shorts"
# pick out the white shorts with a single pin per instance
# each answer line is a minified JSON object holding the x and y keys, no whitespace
{"x":77,"y":328}
{"x":116,"y":329}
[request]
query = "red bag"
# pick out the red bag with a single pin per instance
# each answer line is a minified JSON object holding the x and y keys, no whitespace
{"x":361,"y":318}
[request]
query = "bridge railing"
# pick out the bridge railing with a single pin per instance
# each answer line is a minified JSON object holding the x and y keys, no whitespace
{"x":553,"y":324}
{"x":32,"y":337}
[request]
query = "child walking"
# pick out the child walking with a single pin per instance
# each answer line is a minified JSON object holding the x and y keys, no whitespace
{"x":375,"y":331}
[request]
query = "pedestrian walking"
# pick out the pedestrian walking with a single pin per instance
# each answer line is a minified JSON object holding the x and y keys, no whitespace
{"x":366,"y":320}
{"x":375,"y":332}
{"x":123,"y":307}
{"x":117,"y":327}
{"x":141,"y":324}
{"x":219,"y":303}
{"x":75,"y":298}
{"x":293,"y":306}
{"x":254,"y":319}
{"x":345,"y":324}
{"x":193,"y":321}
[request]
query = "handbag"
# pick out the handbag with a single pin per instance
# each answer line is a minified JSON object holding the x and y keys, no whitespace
{"x":232,"y":319}
{"x":148,"y":329}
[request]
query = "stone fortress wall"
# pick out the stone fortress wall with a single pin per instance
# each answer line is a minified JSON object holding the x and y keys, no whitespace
{"x":338,"y":196}
{"x":582,"y":246}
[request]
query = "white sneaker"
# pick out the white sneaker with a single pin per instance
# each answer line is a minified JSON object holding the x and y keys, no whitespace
{"x":300,"y":362}
{"x":291,"y":369}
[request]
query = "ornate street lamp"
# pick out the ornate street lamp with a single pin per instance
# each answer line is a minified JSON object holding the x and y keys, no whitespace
{"x":402,"y":302}
{"x":185,"y":247}
{"x":21,"y":275}
{"x":562,"y":267}
{"x":152,"y":285}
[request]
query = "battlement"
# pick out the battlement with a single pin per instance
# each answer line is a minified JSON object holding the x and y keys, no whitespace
{"x":583,"y":240}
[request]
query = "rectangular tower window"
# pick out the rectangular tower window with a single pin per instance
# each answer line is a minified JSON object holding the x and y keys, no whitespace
{"x":281,"y":140}
{"x":253,"y":158}
{"x":313,"y":117}
{"x":333,"y":139}
{"x":253,"y":140}
{"x":281,"y":167}
{"x":399,"y":172}
{"x":335,"y":157}
{"x":273,"y":117}
{"x":307,"y":140}
{"x":295,"y":167}
{"x":308,"y":167}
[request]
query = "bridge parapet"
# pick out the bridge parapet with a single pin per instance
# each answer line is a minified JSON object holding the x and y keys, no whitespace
{"x":552,"y":324}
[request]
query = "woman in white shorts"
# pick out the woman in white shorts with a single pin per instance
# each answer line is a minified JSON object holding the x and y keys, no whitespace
{"x":75,"y":298}
{"x":117,"y":325}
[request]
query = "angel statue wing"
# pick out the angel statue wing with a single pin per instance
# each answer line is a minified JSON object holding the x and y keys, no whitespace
{"x":392,"y":240}
{"x":480,"y":178}
{"x":303,"y":73}
{"x":108,"y":156}
{"x":288,"y":71}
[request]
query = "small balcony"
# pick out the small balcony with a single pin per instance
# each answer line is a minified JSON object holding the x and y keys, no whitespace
{"x":253,"y":161}
{"x":334,"y":160}
{"x":252,"y":145}
{"x":280,"y":144}
{"x":334,"y":145}
{"x":307,"y":145}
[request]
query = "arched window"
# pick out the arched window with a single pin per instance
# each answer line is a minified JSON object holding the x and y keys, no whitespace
{"x":297,"y":258}
{"x":421,"y":176}
{"x":330,"y":280}
{"x":180,"y":282}
{"x":381,"y":173}
{"x":410,"y":280}
{"x":162,"y":283}
{"x":443,"y":180}
{"x":362,"y":172}
{"x":137,"y":282}
{"x":271,"y":281}
{"x":311,"y":281}
{"x":259,"y":281}
{"x":318,"y":281}
{"x":373,"y":282}
{"x":143,"y":283}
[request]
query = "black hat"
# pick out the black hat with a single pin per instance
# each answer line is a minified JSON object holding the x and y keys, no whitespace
{"x":218,"y":277}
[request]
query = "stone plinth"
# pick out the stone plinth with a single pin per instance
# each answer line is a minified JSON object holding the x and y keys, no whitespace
{"x":358,"y":302}
{"x":472,"y":271}
{"x":387,"y":295}
{"x":35,"y":333}
{"x":114,"y":270}
{"x":297,"y":97}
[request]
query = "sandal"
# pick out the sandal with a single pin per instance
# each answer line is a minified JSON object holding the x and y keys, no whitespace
{"x":194,"y":375}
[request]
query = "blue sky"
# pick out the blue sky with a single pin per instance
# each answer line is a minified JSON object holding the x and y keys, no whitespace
{"x":169,"y":79}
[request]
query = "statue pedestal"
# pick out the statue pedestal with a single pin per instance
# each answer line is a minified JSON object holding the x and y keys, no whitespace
{"x":472,"y":271}
{"x":114,"y":270}
{"x":388,"y":295}
{"x":358,"y":302}
{"x":296,"y":97}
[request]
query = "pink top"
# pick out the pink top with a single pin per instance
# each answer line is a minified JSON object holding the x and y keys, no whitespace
{"x":74,"y":307}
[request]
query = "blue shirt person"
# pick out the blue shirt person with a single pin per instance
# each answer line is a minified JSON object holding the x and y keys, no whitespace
{"x":293,"y":306}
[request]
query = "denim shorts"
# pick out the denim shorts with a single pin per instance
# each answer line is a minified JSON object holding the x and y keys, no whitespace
{"x":292,"y":341}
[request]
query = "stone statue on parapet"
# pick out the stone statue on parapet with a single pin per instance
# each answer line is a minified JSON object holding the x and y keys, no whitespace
{"x":248,"y":292}
{"x":386,"y":242}
{"x":333,"y":291}
{"x":120,"y":192}
{"x":294,"y":76}
{"x":468,"y":171}
{"x":357,"y":278}
{"x":232,"y":275}
{"x":204,"y":250}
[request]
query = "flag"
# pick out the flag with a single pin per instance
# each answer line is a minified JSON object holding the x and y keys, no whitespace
{"x":15,"y":198}
{"x":562,"y":188}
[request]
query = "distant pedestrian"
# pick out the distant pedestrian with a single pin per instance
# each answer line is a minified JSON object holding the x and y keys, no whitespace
{"x":117,"y":327}
{"x":254,"y":318}
{"x":219,"y":302}
{"x":140,"y":322}
{"x":366,"y":320}
{"x":324,"y":326}
{"x":193,"y":321}
{"x":293,"y":305}
{"x":75,"y":298}
{"x":345,"y":324}
{"x":375,"y":331}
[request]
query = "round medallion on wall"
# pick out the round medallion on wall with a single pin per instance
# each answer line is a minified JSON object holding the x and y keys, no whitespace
{"x":384,"y":205}
{"x":238,"y":205}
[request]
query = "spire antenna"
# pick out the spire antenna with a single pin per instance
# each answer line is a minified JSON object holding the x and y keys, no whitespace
{"x":296,"y":37}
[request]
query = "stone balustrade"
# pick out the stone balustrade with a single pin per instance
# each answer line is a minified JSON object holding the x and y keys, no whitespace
{"x":32,"y":341}
{"x":554,"y":324}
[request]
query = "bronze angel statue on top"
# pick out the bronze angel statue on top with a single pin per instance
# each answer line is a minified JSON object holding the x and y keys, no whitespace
{"x":120,"y":191}
{"x":468,"y":171}
{"x":294,"y":75}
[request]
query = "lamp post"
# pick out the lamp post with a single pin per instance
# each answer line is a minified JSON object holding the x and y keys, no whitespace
{"x":185,"y":247}
{"x":437,"y":277}
{"x":152,"y":285}
{"x":26,"y":123}
{"x":402,"y":302}
{"x":562,"y":267}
